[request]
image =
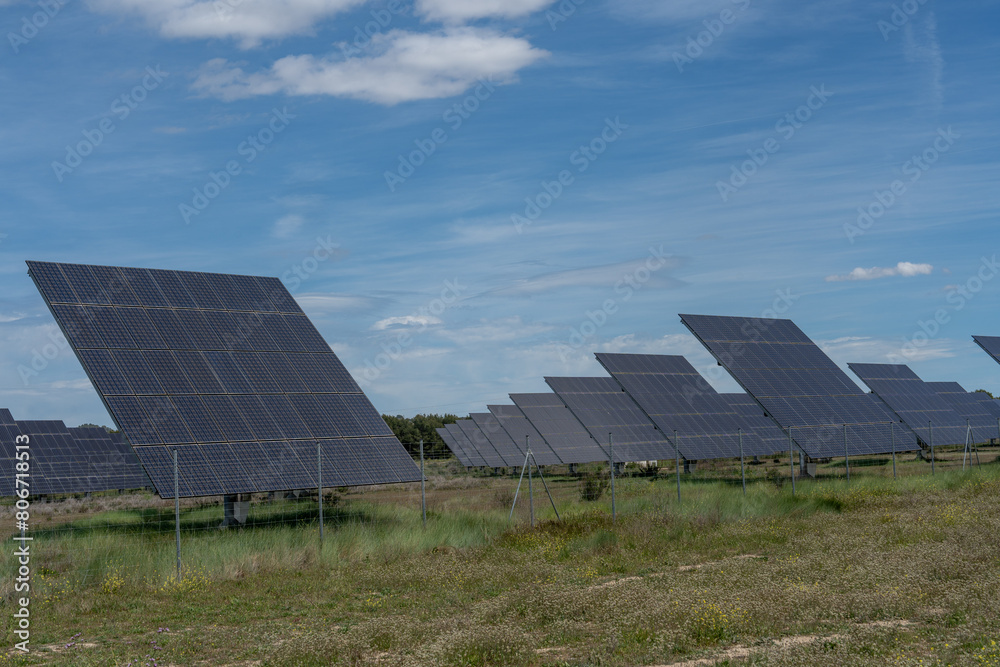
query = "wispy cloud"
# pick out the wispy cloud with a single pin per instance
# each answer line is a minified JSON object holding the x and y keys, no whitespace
{"x":491,"y":331}
{"x":405,"y":66}
{"x":904,"y":269}
{"x":287,"y":225}
{"x":467,"y":10}
{"x":921,"y":46}
{"x":404,"y":321}
{"x":867,"y":349}
{"x":605,"y":276}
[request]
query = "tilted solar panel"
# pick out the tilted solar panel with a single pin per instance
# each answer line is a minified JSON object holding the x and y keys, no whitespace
{"x":983,"y":415}
{"x":917,"y":405}
{"x":524,"y":434}
{"x":799,"y":386}
{"x":453,"y":447}
{"x":672,"y":393}
{"x":471,"y":454}
{"x":228,"y":370}
{"x":502,"y":443}
{"x":559,"y":428}
{"x":481,"y":443}
{"x":753,"y":417}
{"x":606,"y":410}
{"x":990,"y":345}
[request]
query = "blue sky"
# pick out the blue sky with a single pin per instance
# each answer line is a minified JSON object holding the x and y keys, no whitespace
{"x":468,"y":195}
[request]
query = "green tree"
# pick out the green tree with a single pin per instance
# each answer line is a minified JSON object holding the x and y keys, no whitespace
{"x":411,"y":430}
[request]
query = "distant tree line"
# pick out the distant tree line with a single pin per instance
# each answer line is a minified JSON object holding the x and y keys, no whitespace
{"x":410,"y":430}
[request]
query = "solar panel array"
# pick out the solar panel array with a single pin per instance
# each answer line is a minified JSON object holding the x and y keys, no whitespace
{"x":508,"y":450}
{"x":604,"y":408}
{"x":917,"y":405}
{"x":753,"y":418}
{"x":481,"y":443}
{"x":228,"y":370}
{"x":452,"y":445}
{"x":63,"y":460}
{"x":524,"y":433}
{"x":473,"y":458}
{"x":799,"y":386}
{"x":676,"y":398}
{"x":983,"y":415}
{"x":560,"y":429}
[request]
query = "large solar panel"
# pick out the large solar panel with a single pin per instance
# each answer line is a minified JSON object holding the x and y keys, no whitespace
{"x":474,"y":458}
{"x":605,"y":409}
{"x":560,"y":429}
{"x":990,"y":345}
{"x":917,"y":405}
{"x":502,"y":443}
{"x":228,"y":370}
{"x":481,"y":443}
{"x":672,"y":393}
{"x":753,"y":418}
{"x":79,"y":460}
{"x":799,"y":386}
{"x":452,"y":446}
{"x":983,"y":415}
{"x":523,"y":433}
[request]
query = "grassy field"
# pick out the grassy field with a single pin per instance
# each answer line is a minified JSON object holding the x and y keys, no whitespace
{"x":875,"y":572}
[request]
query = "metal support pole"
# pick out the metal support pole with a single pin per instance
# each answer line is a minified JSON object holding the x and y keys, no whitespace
{"x":546,"y":486}
{"x":611,"y":456}
{"x":847,"y":458}
{"x":521,"y":479}
{"x":892,"y":428}
{"x":743,"y":469}
{"x":791,"y":459}
{"x":319,"y":481}
{"x":531,"y":496}
{"x":930,"y":428}
{"x":423,"y":494}
{"x":177,"y":513}
{"x":965,"y":452}
{"x":677,"y":450}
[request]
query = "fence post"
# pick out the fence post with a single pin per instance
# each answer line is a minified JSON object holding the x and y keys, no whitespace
{"x":847,"y":457}
{"x":743,"y":470}
{"x":177,"y":514}
{"x":892,"y":427}
{"x":531,"y":496}
{"x":423,"y":495}
{"x":677,"y":450}
{"x":791,"y":459}
{"x":930,"y":428}
{"x":319,"y":481}
{"x":611,"y":455}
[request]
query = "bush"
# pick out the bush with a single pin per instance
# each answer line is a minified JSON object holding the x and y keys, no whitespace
{"x":593,"y":486}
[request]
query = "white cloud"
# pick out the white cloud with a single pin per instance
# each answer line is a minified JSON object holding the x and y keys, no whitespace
{"x":321,"y":304}
{"x":604,"y":276}
{"x":865,"y":349}
{"x":13,"y":317}
{"x":673,"y":11}
{"x":904,"y":269}
{"x":404,"y":66}
{"x":467,"y":10}
{"x":923,"y":47}
{"x":249,"y":21}
{"x":287,"y":225}
{"x":421,"y":321}
{"x":491,"y":331}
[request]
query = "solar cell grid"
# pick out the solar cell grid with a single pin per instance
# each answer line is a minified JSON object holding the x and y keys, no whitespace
{"x":198,"y":359}
{"x":508,"y":450}
{"x":559,"y":428}
{"x":465,"y":445}
{"x":475,"y":438}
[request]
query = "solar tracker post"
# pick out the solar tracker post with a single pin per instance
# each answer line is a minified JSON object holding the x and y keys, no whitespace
{"x":965,"y":450}
{"x":177,"y":514}
{"x":743,"y":469}
{"x":677,"y":451}
{"x":892,"y":427}
{"x":423,"y":496}
{"x":545,"y":486}
{"x":847,"y":456}
{"x":319,"y":476}
{"x":531,"y":496}
{"x":611,"y":456}
{"x":791,"y":459}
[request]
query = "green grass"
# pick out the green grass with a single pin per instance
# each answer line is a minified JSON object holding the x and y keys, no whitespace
{"x":875,"y":571}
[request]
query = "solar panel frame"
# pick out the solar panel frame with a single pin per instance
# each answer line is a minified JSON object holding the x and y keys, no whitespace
{"x":465,"y":445}
{"x":478,"y":440}
{"x":174,"y":354}
{"x":452,"y":445}
{"x":799,"y":386}
{"x":559,"y":428}
{"x":983,"y":415}
{"x":508,"y":450}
